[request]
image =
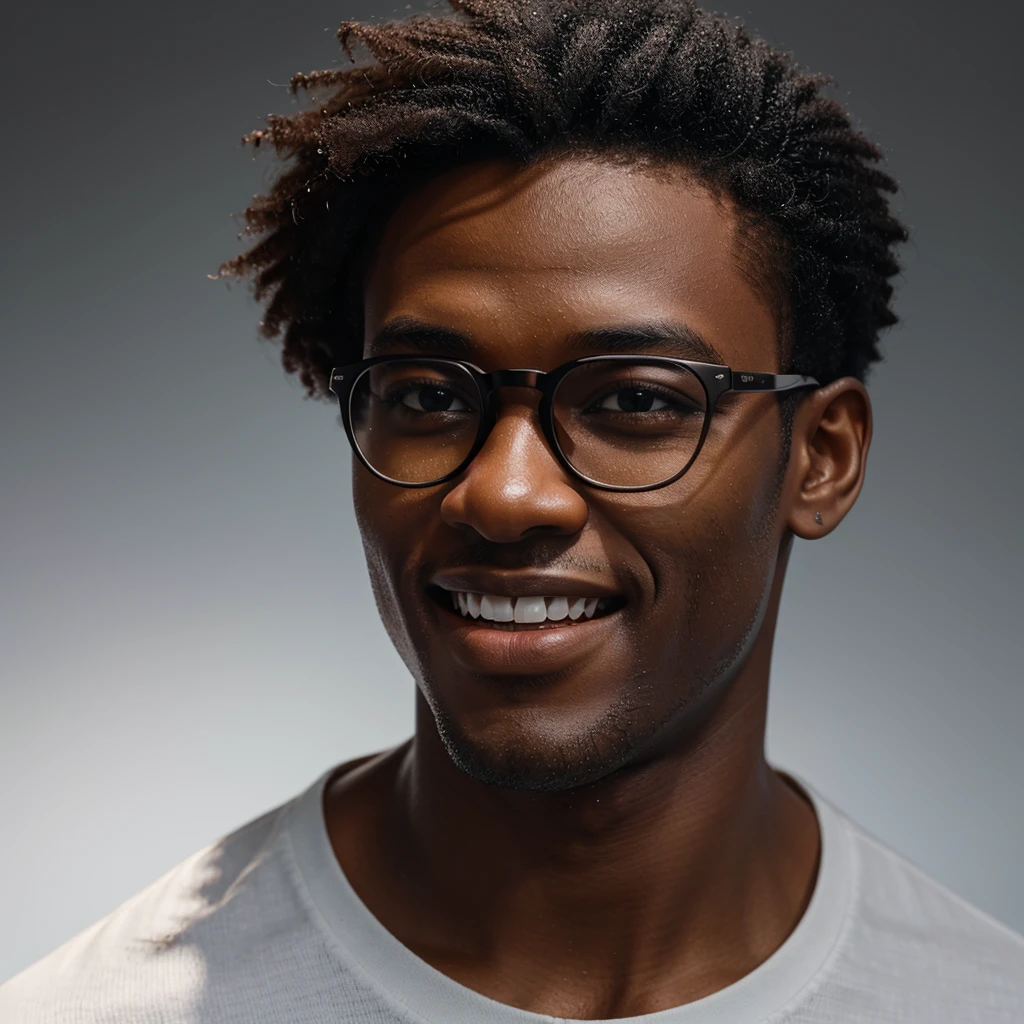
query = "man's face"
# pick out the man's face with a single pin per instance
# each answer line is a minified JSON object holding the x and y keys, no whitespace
{"x":517,"y":261}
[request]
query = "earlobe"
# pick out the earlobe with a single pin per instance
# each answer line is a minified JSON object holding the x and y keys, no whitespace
{"x":828,"y":456}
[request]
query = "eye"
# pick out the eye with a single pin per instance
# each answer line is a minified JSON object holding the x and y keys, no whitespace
{"x":633,"y":400}
{"x":433,"y":399}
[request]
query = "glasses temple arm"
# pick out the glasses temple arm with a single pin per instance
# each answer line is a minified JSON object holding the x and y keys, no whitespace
{"x":770,"y":381}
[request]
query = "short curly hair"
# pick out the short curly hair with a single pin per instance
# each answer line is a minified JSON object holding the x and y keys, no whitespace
{"x":656,"y":81}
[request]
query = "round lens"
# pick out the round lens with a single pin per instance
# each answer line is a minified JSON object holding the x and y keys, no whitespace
{"x":629,"y":423}
{"x":415,"y":421}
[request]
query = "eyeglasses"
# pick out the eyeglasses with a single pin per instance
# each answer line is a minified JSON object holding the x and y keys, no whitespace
{"x":616,"y":422}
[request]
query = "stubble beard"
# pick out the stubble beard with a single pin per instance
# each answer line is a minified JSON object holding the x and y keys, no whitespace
{"x":549,"y":765}
{"x":625,"y":733}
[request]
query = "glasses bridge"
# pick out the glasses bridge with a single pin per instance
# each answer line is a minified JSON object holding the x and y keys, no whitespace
{"x":516,"y":378}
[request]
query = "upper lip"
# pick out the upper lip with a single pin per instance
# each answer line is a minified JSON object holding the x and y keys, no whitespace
{"x":522,"y":584}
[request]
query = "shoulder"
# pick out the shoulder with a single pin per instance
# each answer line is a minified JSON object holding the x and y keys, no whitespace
{"x":912,"y":946}
{"x":151,"y":958}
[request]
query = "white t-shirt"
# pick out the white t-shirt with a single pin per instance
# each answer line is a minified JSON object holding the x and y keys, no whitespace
{"x":262,"y":927}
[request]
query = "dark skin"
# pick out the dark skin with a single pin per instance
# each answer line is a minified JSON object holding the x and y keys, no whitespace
{"x":584,"y":823}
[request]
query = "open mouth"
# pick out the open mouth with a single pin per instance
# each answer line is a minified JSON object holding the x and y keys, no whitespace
{"x":533,"y":611}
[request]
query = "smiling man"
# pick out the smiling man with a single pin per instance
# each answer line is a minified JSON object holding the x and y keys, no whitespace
{"x":596,"y":286}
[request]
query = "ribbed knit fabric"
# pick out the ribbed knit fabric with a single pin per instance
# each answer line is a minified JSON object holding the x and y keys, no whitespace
{"x":262,"y":927}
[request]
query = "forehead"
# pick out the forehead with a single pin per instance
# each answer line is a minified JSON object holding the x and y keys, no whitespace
{"x":518,"y":259}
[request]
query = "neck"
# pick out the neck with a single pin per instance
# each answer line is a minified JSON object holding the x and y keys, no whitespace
{"x":658,"y":884}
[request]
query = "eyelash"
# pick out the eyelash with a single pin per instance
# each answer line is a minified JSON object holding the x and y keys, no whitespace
{"x":672,"y":398}
{"x":398,"y":392}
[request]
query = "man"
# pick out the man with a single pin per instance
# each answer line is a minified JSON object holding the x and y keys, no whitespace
{"x":596,"y":286}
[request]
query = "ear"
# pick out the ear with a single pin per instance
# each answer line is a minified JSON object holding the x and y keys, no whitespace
{"x":828,"y":455}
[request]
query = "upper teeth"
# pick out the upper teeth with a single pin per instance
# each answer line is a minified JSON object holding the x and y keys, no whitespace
{"x":524,"y":609}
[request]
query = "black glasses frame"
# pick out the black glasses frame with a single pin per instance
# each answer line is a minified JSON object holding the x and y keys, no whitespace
{"x":716,"y":381}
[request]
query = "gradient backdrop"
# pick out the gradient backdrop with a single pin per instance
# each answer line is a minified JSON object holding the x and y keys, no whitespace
{"x":187,"y":633}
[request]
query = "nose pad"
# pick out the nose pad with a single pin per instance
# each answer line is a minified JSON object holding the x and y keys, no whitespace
{"x":515,"y":485}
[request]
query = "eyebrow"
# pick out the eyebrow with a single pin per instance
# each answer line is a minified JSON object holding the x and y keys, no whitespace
{"x":422,"y":336}
{"x":667,"y":337}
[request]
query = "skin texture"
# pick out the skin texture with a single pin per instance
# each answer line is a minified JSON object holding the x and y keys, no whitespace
{"x":589,"y":828}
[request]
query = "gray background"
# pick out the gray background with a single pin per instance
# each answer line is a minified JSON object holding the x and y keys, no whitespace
{"x":187,"y":634}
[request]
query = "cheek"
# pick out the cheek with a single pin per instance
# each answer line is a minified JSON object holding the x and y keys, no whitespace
{"x":387,"y":520}
{"x":709,"y":544}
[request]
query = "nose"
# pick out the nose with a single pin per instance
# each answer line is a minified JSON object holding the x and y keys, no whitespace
{"x":515,"y":487}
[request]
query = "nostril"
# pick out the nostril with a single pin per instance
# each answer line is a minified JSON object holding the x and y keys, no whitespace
{"x":541,"y":531}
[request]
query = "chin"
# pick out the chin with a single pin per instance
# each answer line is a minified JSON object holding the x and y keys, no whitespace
{"x":522,"y":754}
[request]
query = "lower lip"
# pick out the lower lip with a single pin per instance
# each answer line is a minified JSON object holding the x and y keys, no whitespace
{"x":523,"y":652}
